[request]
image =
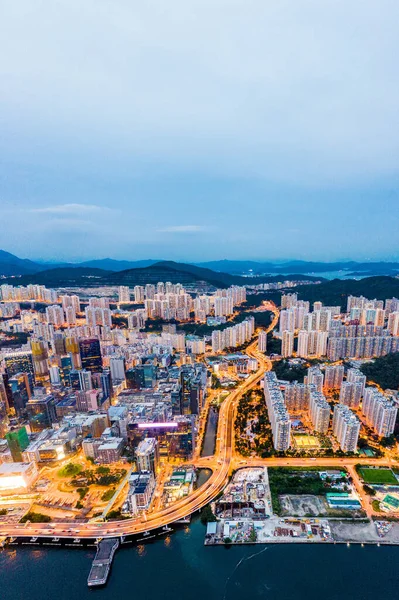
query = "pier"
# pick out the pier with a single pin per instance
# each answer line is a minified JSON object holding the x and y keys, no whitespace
{"x":102,"y":562}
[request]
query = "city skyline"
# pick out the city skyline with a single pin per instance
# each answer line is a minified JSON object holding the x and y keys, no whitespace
{"x":199,"y":299}
{"x":212,"y":131}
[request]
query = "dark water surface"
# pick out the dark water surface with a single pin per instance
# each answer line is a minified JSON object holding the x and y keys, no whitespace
{"x":208,"y":447}
{"x":180,"y":567}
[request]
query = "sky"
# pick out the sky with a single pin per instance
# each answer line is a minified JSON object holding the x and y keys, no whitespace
{"x":199,"y":129}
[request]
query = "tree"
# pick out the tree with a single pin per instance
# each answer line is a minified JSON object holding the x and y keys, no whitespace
{"x":253,"y":536}
{"x":103,"y":470}
{"x":384,"y":371}
{"x":207,"y":515}
{"x":82,"y":491}
{"x":369,"y":490}
{"x":289,"y":372}
{"x":35,"y":518}
{"x":108,"y":495}
{"x":228,"y":540}
{"x":386,"y":442}
{"x":114,"y":514}
{"x":107,"y":480}
{"x":215,"y":381}
{"x":376,"y":505}
{"x":70,"y":470}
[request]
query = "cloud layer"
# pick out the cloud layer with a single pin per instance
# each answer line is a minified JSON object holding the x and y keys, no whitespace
{"x":68,"y":209}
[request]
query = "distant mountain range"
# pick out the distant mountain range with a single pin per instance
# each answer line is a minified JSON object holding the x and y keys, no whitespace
{"x":160,"y":271}
{"x":301,"y":266}
{"x":108,"y":271}
{"x":12,"y":265}
{"x":11,"y":262}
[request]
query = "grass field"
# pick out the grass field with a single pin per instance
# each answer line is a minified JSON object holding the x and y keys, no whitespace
{"x":378,"y":476}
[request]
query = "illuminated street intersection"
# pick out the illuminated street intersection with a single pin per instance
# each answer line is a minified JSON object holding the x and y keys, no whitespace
{"x":223,"y":462}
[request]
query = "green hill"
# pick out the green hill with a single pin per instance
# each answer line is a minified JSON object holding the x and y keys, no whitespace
{"x":336,"y":292}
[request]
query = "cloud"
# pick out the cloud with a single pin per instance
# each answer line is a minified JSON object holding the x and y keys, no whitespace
{"x":184,"y":229}
{"x":68,"y":209}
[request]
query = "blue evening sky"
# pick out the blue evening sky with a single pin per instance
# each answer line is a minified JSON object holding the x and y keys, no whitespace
{"x":199,"y":129}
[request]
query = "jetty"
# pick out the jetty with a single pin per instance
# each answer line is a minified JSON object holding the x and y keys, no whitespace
{"x":102,"y":562}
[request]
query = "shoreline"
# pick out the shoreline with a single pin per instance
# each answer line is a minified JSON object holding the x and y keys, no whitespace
{"x":228,"y":532}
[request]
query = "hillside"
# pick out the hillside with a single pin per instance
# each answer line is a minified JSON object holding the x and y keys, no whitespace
{"x":170,"y":271}
{"x":63,"y":277}
{"x":160,"y":271}
{"x":336,"y":292}
{"x":384,"y":371}
{"x":110,"y":264}
{"x":186,"y":274}
{"x":12,"y":265}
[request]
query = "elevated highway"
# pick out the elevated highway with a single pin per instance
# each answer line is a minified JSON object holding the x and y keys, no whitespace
{"x":222,"y":464}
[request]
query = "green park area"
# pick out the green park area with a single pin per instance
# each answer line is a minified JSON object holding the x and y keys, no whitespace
{"x":377,"y":476}
{"x":70,"y":470}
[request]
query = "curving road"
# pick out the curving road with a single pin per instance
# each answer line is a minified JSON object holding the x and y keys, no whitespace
{"x":222,"y":463}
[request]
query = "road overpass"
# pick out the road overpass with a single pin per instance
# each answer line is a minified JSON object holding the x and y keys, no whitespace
{"x":224,"y":461}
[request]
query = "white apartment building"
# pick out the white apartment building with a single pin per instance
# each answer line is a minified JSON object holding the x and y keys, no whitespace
{"x":351,"y":394}
{"x":296,"y":396}
{"x":315,"y":377}
{"x":333,"y":377}
{"x":287,"y":344}
{"x":262,"y":341}
{"x":356,"y":376}
{"x":380,"y":412}
{"x":319,"y":412}
{"x":124,"y":294}
{"x":278,"y":414}
{"x":346,"y":428}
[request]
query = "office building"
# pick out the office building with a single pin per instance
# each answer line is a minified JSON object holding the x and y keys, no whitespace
{"x":18,"y":362}
{"x":141,"y":490}
{"x":18,"y":441}
{"x":17,"y":476}
{"x":21,"y":391}
{"x":39,"y":357}
{"x":147,"y":455}
{"x":41,"y":412}
{"x":90,"y":355}
{"x":117,"y":368}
